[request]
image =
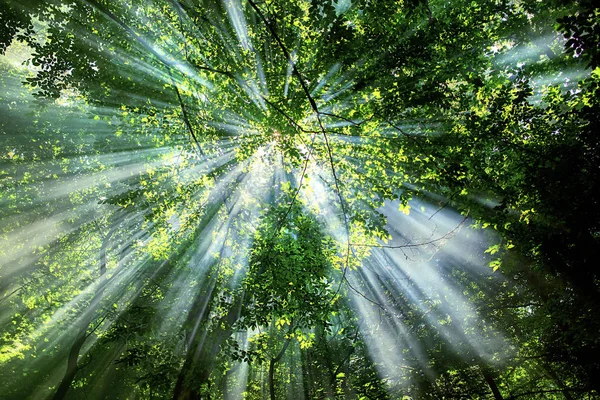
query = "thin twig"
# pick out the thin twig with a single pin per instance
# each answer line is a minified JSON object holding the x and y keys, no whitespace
{"x":409,"y":245}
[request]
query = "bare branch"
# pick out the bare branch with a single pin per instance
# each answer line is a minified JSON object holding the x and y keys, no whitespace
{"x":448,"y":235}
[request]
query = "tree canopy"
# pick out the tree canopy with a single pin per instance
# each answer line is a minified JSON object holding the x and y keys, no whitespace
{"x":299,"y":199}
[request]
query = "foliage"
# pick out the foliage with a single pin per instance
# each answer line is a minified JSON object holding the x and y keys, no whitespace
{"x":196,"y":195}
{"x":288,"y":269}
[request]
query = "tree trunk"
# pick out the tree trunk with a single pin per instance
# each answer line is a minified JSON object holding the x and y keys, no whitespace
{"x":87,"y":318}
{"x":558,"y":383}
{"x":201,"y":356}
{"x":491,"y":383}
{"x":306,"y":373}
{"x":272,"y":366}
{"x":272,"y":379}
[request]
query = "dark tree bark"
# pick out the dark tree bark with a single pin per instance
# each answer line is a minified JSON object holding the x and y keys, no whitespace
{"x":558,"y":382}
{"x":272,"y":366}
{"x":491,"y":383}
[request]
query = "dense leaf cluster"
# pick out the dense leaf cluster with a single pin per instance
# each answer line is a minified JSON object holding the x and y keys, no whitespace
{"x":206,"y":199}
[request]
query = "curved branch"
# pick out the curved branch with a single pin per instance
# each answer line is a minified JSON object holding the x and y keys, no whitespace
{"x":409,"y":245}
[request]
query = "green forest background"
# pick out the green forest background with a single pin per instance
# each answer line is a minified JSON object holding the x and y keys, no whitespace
{"x":367,"y":199}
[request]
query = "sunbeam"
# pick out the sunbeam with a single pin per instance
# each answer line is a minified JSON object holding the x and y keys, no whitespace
{"x":351,"y":199}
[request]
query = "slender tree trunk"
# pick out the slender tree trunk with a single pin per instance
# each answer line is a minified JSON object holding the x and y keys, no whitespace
{"x":71,"y":364}
{"x":491,"y":383}
{"x":272,"y":366}
{"x":201,"y":356}
{"x":558,"y":383}
{"x":331,"y":381}
{"x":272,"y":379}
{"x":86,"y":319}
{"x":306,"y":373}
